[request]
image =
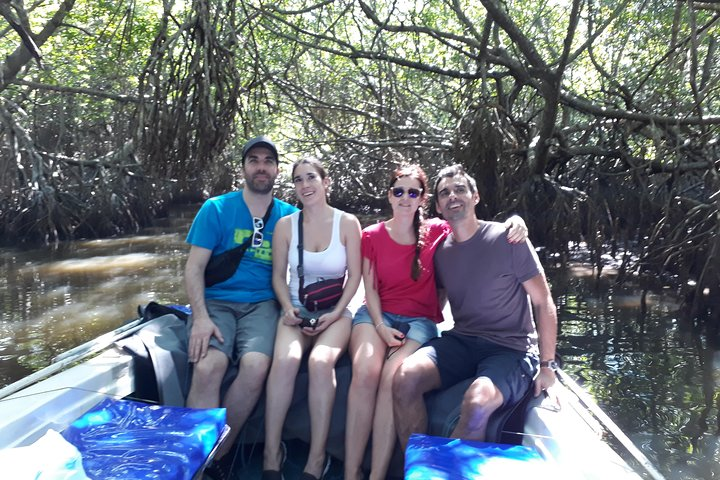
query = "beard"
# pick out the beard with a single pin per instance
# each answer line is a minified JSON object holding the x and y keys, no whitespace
{"x":454,"y":215}
{"x":260,"y":185}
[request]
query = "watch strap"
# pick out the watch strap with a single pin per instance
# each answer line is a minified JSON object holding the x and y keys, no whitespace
{"x":551,"y":364}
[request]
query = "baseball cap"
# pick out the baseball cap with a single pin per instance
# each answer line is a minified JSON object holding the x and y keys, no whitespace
{"x":261,"y":141}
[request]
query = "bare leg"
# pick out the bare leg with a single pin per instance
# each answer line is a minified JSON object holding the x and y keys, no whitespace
{"x":289,"y":346}
{"x":329,"y":345}
{"x":415,"y":377}
{"x":243,"y":394}
{"x":481,"y":399}
{"x":206,"y":379}
{"x":368,"y":354}
{"x":384,"y":434}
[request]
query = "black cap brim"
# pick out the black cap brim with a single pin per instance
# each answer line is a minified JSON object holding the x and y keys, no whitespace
{"x":261,"y":141}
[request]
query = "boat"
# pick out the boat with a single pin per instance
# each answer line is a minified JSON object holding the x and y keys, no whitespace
{"x":566,"y":428}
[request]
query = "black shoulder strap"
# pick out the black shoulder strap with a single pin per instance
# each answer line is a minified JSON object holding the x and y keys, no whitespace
{"x":223,"y":266}
{"x":300,"y":270}
{"x":266,"y":217}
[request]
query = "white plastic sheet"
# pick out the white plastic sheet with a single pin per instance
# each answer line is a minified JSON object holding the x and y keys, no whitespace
{"x":50,"y":458}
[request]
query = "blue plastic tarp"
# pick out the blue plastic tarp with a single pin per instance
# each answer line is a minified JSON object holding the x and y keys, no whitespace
{"x":123,"y":439}
{"x":429,"y":457}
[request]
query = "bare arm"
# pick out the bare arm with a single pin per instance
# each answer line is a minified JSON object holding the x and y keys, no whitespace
{"x":350,"y":230}
{"x":546,"y":321}
{"x":203,"y":327}
{"x":280,"y":251}
{"x":350,"y":236}
{"x":442,"y":297}
{"x":374,"y":306}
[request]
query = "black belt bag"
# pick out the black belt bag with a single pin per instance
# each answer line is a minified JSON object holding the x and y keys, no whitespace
{"x":320,"y":295}
{"x":224,"y":265}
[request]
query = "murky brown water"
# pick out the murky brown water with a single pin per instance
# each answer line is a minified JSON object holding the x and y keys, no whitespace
{"x":658,"y":381}
{"x":55,"y":299}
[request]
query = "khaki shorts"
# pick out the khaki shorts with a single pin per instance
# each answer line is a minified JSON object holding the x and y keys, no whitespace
{"x":246,"y":327}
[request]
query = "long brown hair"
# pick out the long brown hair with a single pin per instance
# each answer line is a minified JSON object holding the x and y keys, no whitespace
{"x":313,"y":162}
{"x":414,"y":171}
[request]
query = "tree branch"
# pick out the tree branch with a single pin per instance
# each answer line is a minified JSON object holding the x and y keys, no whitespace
{"x":21,"y":56}
{"x":79,"y":90}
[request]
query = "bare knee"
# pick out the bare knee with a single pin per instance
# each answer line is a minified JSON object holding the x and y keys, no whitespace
{"x":254,"y":368}
{"x":285,"y":362}
{"x":366,"y":373}
{"x":320,"y":364}
{"x":387,"y":376}
{"x":211,"y":368}
{"x":406,"y":384}
{"x":482,"y":397}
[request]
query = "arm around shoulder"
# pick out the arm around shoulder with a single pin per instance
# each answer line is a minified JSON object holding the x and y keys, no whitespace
{"x":516,"y":228}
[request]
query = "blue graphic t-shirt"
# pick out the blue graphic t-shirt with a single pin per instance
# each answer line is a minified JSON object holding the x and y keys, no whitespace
{"x":224,"y":222}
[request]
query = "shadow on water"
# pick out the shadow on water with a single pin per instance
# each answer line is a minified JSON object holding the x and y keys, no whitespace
{"x":654,"y":375}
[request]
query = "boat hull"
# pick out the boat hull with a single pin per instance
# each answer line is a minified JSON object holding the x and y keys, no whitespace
{"x":56,"y":402}
{"x":566,"y":436}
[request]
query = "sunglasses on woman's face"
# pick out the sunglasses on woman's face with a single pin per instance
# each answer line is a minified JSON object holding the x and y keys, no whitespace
{"x":400,"y":191}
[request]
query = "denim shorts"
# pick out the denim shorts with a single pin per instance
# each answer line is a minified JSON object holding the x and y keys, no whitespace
{"x":459,"y":357}
{"x":421,"y":330}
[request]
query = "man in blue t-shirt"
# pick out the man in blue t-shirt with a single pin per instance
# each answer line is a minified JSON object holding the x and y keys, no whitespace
{"x":492,"y":286}
{"x":234,"y":321}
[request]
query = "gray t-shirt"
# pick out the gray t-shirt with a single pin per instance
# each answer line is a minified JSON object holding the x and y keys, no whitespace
{"x":483,"y":278}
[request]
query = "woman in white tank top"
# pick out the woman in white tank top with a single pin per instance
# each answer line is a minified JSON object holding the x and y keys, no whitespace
{"x":331,"y":241}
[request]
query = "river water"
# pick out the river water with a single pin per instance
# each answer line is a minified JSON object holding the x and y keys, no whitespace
{"x":658,"y":381}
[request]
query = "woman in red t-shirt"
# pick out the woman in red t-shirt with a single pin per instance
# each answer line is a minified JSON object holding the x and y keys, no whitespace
{"x":400,"y":296}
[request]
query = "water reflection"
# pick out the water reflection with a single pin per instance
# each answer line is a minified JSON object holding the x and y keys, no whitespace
{"x":653,"y":372}
{"x":631,"y":351}
{"x":55,"y":299}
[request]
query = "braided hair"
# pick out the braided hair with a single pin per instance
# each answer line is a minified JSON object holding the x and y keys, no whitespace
{"x":414,"y":171}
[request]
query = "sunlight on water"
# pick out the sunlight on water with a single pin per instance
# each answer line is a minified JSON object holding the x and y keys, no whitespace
{"x":108,"y":265}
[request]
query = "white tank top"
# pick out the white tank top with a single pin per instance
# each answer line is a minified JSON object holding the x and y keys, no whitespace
{"x":330,"y":263}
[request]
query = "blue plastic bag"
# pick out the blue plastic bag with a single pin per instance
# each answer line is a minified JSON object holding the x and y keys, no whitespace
{"x":429,"y":457}
{"x":123,"y":439}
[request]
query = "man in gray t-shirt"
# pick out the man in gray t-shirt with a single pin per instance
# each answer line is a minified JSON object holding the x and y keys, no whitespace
{"x":493,"y":287}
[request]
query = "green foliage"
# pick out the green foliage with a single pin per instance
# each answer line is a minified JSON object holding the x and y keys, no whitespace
{"x":571,"y":113}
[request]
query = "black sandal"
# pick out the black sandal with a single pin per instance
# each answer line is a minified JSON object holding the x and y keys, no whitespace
{"x":277,"y":474}
{"x":310,"y":476}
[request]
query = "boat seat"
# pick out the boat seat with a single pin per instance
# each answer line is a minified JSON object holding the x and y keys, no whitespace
{"x":164,"y":346}
{"x":443,"y":413}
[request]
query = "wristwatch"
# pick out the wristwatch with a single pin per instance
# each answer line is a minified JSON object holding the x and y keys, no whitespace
{"x":551,"y":364}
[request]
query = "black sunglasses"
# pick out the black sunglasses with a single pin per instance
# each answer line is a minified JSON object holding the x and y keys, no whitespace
{"x":400,"y":191}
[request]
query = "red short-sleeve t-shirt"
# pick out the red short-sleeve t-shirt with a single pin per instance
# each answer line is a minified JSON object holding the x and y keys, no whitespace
{"x":392,"y":262}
